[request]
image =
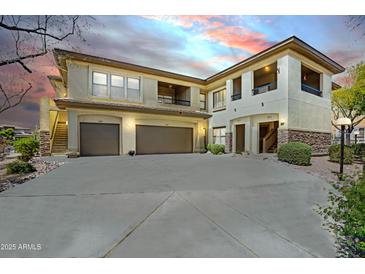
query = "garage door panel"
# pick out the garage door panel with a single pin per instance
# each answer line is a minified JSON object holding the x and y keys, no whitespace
{"x":97,"y":139}
{"x":163,"y":140}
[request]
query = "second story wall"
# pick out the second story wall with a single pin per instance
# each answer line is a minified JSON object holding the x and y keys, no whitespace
{"x":94,"y":82}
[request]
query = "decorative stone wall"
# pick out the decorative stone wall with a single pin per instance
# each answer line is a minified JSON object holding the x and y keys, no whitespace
{"x":319,"y":141}
{"x":45,"y":143}
{"x":228,"y":146}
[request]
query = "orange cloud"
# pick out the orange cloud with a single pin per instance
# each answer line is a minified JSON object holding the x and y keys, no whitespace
{"x":238,"y":37}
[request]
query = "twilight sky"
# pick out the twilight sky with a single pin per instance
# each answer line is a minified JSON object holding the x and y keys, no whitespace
{"x":194,"y":45}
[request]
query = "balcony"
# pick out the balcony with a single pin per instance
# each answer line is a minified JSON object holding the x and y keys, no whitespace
{"x":264,"y":88}
{"x":237,"y":96}
{"x":265,"y":79}
{"x":311,"y":90}
{"x":311,"y":81}
{"x":170,"y":100}
{"x":173,"y":94}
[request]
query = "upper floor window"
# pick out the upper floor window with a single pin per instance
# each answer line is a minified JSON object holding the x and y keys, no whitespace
{"x":203,"y":101}
{"x":133,"y":88}
{"x":311,"y":81}
{"x":219,"y":99}
{"x":265,"y":79}
{"x":116,"y":86}
{"x":107,"y":85}
{"x":237,"y":89}
{"x":100,"y":84}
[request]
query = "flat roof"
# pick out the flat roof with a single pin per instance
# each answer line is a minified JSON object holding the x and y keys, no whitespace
{"x":292,"y":42}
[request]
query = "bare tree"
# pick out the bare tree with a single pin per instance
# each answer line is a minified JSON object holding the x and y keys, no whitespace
{"x":32,"y":37}
{"x":355,"y":23}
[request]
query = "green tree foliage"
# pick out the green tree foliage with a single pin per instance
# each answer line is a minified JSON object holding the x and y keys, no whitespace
{"x":349,"y":101}
{"x":8,"y":134}
{"x":345,"y":217}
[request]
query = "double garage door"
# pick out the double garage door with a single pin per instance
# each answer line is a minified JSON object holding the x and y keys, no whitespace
{"x":98,"y":139}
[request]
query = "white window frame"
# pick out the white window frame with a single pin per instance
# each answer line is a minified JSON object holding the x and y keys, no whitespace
{"x":223,"y":97}
{"x":92,"y":84}
{"x":125,"y":83}
{"x":220,"y":136}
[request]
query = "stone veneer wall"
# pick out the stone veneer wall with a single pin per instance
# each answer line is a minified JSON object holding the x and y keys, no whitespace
{"x":228,"y":146}
{"x":319,"y":141}
{"x":45,"y":143}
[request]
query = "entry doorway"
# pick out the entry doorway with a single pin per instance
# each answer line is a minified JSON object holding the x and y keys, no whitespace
{"x":268,"y":137}
{"x":240,"y":138}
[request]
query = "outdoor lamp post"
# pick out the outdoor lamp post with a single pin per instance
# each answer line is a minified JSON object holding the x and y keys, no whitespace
{"x":343,"y":122}
{"x":356,"y":133}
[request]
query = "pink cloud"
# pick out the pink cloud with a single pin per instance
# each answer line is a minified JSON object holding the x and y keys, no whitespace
{"x":238,"y":37}
{"x":188,"y":21}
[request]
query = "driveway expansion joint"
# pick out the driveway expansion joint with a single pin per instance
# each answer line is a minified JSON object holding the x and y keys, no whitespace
{"x":133,"y":228}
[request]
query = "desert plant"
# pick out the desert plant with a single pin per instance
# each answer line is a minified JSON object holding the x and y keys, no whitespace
{"x":296,"y":153}
{"x":216,"y":148}
{"x":19,"y":167}
{"x":334,"y":154}
{"x":27,"y":147}
{"x":345,"y":217}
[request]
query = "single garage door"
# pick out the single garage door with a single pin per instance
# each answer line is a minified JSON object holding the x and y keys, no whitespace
{"x":98,"y":139}
{"x":159,"y":140}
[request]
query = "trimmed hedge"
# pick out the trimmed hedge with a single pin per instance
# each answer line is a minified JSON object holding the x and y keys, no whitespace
{"x":296,"y":153}
{"x":334,"y":154}
{"x":359,"y":149}
{"x":19,"y":167}
{"x":215,"y":148}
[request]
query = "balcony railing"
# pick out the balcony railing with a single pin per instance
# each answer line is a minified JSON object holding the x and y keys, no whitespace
{"x":264,"y":88}
{"x":311,"y":90}
{"x":173,"y":101}
{"x":236,"y":96}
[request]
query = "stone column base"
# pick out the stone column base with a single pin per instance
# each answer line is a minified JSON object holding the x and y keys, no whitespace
{"x":319,"y":141}
{"x":228,"y":145}
{"x":44,"y":143}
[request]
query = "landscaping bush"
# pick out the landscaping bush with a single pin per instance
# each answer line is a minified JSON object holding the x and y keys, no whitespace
{"x":296,"y":153}
{"x":345,"y":217}
{"x":359,"y":149}
{"x":334,"y":153}
{"x":19,"y":167}
{"x":215,"y":148}
{"x":28,"y":147}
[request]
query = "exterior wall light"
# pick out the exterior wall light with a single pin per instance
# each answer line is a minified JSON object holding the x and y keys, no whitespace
{"x":342,"y":122}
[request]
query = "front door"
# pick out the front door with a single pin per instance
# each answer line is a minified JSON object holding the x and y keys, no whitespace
{"x":240,"y":138}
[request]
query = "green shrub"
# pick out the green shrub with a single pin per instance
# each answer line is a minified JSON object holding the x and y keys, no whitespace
{"x":359,"y":149}
{"x":215,"y":148}
{"x":334,"y":154}
{"x":296,"y":153}
{"x":19,"y":167}
{"x":345,"y":217}
{"x":28,"y":147}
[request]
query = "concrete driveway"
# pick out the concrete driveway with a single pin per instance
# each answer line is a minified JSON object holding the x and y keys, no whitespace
{"x":166,"y":206}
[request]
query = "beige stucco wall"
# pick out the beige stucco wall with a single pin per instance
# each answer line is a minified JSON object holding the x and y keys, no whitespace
{"x":128,"y":122}
{"x":80,"y":86}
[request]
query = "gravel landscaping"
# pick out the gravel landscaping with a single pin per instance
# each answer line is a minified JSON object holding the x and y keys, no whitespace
{"x":10,"y":180}
{"x":320,"y":166}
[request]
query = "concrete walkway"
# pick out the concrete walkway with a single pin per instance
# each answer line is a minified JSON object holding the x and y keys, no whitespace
{"x":166,"y":206}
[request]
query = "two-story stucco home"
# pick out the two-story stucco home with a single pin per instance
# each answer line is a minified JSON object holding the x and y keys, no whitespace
{"x":109,"y":107}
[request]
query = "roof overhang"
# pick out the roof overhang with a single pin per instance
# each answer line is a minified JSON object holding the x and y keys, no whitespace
{"x":64,"y":103}
{"x":292,"y":43}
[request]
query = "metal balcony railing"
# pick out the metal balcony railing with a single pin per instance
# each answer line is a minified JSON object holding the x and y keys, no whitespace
{"x":236,"y":96}
{"x":173,"y":101}
{"x":311,"y":90}
{"x":264,"y":88}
